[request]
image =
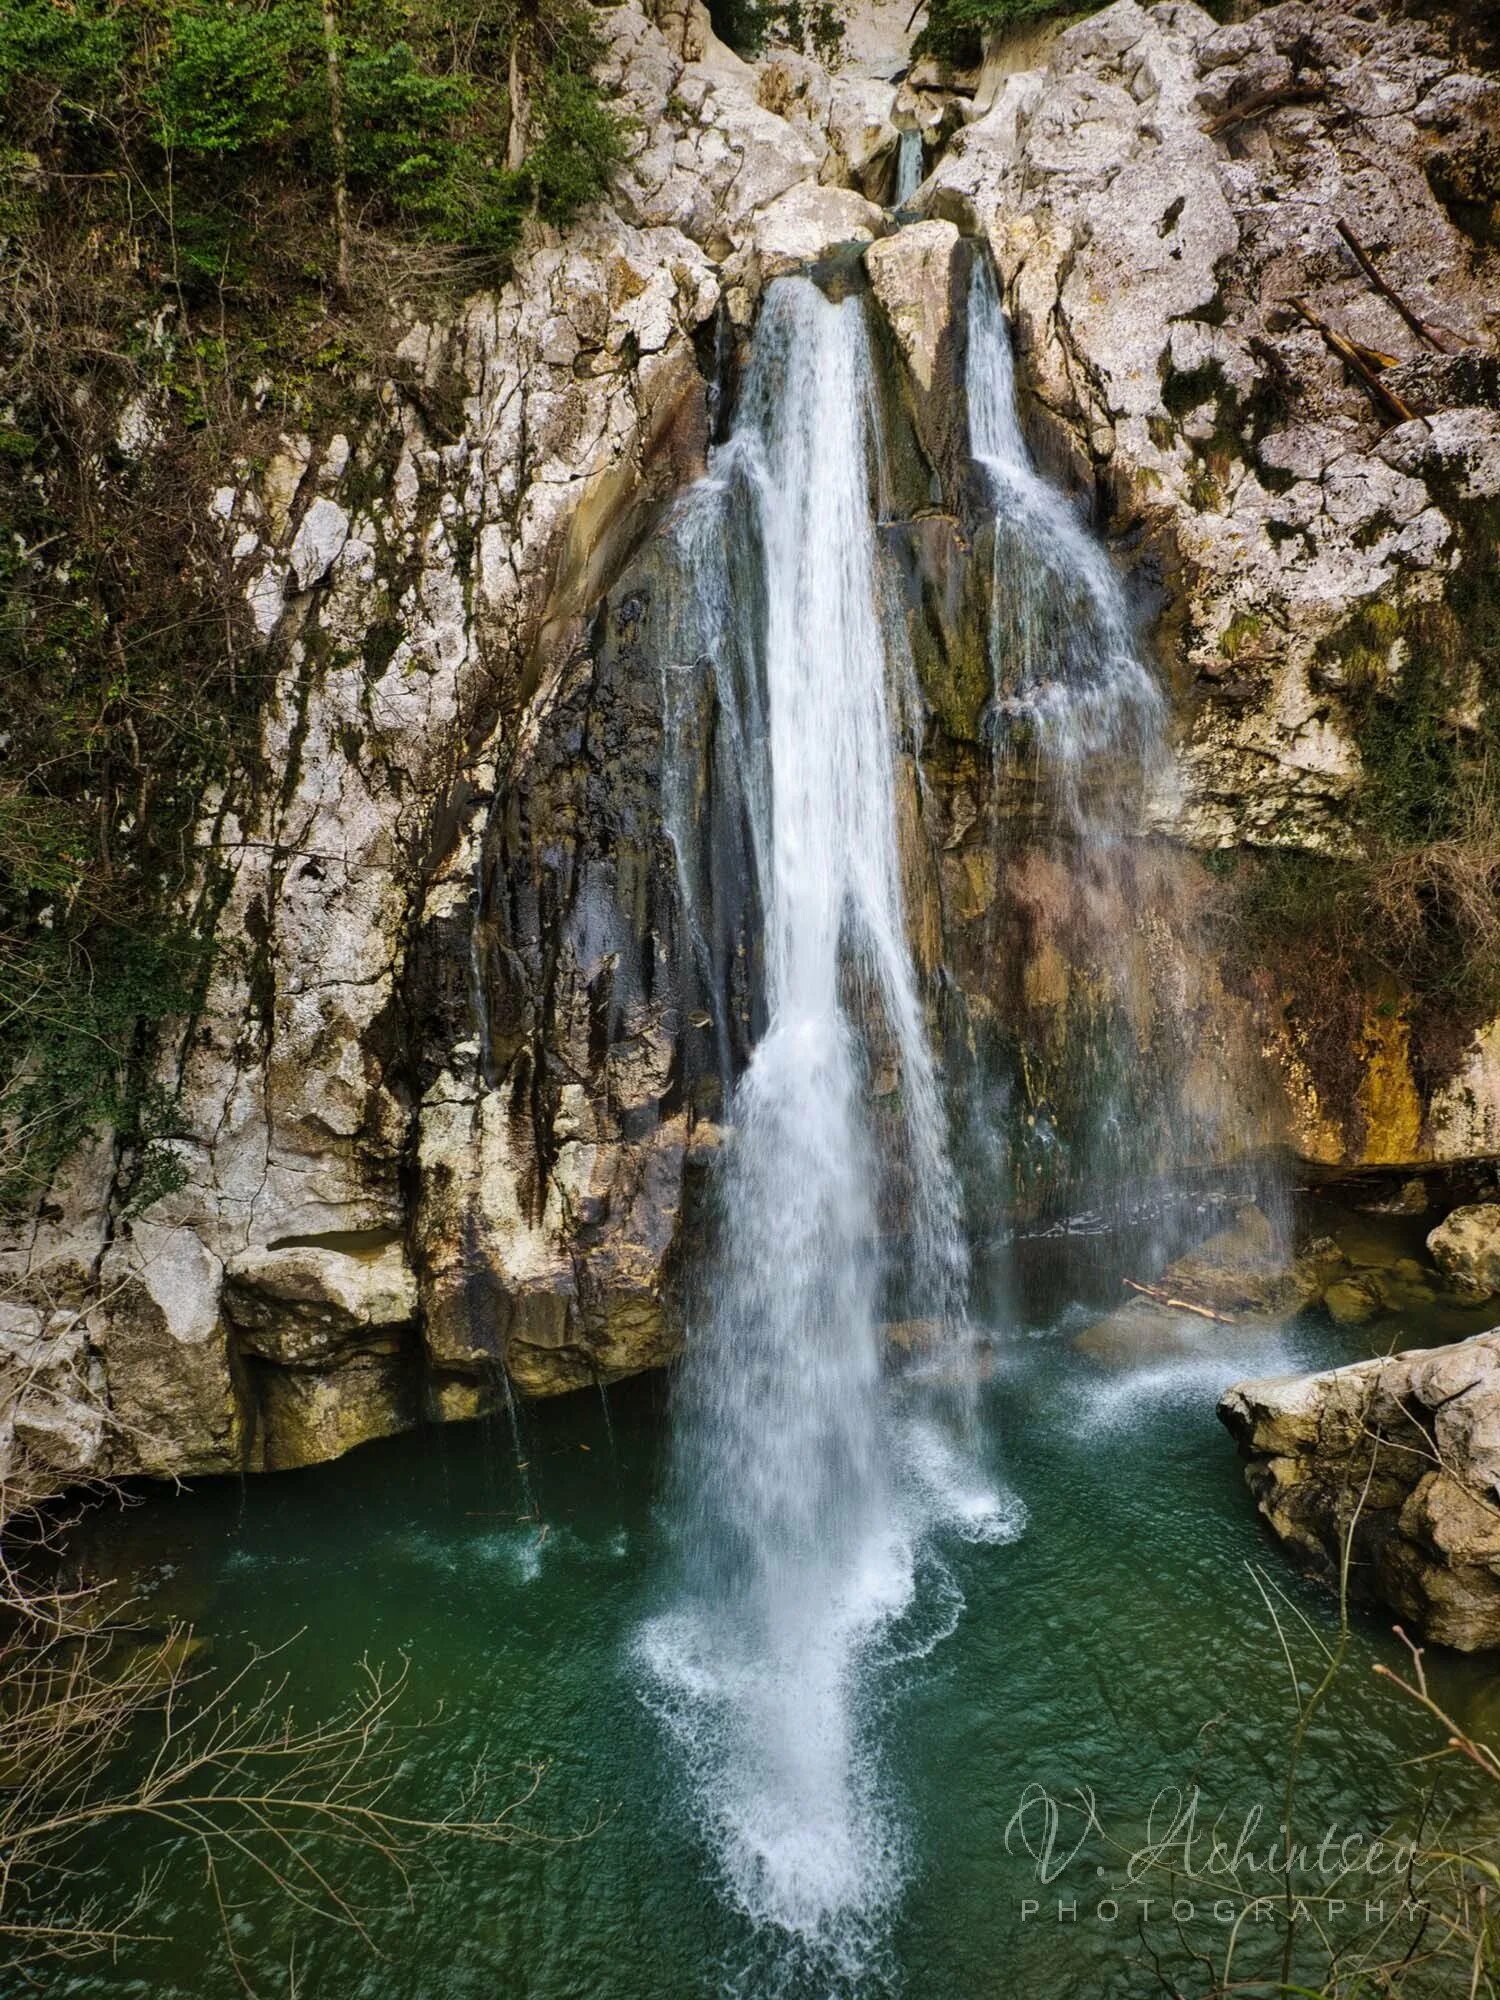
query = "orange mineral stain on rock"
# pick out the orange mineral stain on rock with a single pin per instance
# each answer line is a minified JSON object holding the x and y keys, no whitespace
{"x":1389,"y":1101}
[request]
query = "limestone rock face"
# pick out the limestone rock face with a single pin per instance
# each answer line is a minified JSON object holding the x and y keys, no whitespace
{"x":1148,"y":258}
{"x":458,"y":1075}
{"x":1467,"y":1246}
{"x":1157,"y":190}
{"x":807,"y":224}
{"x":299,"y":1302}
{"x":1404,"y":1450}
{"x":430,"y":1118}
{"x":912,"y":276}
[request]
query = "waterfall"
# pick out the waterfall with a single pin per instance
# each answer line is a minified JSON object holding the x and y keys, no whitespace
{"x":908,"y":167}
{"x":805,"y":1479}
{"x":1074,"y":699}
{"x":1075,"y":703}
{"x":1063,"y":657}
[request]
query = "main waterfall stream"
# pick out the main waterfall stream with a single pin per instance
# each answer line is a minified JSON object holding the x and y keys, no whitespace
{"x":804,"y":1484}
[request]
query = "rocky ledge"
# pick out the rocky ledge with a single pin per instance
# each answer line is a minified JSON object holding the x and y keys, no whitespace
{"x":439,"y":1119}
{"x":1397,"y":1459}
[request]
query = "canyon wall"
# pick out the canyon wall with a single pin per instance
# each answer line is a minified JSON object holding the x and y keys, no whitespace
{"x":460,"y":1074}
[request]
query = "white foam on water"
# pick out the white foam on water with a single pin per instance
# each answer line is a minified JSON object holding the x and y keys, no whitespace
{"x":952,"y":1490}
{"x":1113,"y":1396}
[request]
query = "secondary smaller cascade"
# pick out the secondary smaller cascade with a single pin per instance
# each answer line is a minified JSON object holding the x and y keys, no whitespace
{"x":1062,"y":651}
{"x":908,"y":167}
{"x":1076,"y":706}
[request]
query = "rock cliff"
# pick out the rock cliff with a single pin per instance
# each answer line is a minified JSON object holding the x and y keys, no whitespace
{"x":458,"y":1073}
{"x":1397,"y":1462}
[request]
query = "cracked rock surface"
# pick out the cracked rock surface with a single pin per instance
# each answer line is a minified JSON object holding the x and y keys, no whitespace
{"x":1405,"y":1452}
{"x":441,"y":1114}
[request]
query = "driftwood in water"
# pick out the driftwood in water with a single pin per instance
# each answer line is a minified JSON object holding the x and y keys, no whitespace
{"x":1178,"y":1305}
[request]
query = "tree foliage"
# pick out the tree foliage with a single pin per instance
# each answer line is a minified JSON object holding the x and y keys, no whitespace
{"x":178,"y":187}
{"x":210,"y":106}
{"x":752,"y":26}
{"x":955,"y":30}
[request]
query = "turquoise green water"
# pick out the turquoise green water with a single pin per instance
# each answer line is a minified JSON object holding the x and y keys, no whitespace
{"x":1119,"y":1644}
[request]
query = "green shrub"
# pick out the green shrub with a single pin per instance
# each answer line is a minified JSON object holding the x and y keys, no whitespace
{"x":754,"y":25}
{"x":956,"y":29}
{"x":168,"y":224}
{"x":231,"y":80}
{"x":217,"y":110}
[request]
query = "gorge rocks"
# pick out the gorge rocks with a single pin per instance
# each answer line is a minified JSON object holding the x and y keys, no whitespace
{"x":429,"y":1117}
{"x":1145,"y":255}
{"x":1467,"y":1246}
{"x":443,"y":1111}
{"x":1400,"y":1457}
{"x":807,"y":224}
{"x":913,"y":276}
{"x":1155,"y":208}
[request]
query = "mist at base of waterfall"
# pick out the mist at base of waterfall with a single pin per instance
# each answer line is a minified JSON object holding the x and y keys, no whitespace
{"x":777,"y":1731}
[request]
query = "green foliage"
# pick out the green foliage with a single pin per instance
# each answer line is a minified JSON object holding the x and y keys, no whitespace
{"x":57,"y":63}
{"x":73,"y":1015}
{"x":754,"y":25}
{"x":167,"y":218}
{"x":956,"y":29}
{"x":580,"y":144}
{"x":230,"y":79}
{"x":218,"y":113}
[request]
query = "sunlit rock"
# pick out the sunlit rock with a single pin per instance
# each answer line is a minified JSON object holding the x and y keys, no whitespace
{"x":1467,"y":1246}
{"x":810,"y":222}
{"x":1400,"y":1458}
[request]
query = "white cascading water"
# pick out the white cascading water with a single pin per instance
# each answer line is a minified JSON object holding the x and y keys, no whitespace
{"x":1062,"y":652}
{"x":908,"y":167}
{"x":805,"y":1478}
{"x":1072,"y":691}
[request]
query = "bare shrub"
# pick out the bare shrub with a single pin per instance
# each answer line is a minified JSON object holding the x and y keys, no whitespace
{"x":110,"y":1729}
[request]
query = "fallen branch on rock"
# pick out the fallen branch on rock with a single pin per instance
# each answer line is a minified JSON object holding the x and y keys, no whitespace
{"x":1178,"y":1305}
{"x":1305,"y":92}
{"x":1362,"y":362}
{"x":1437,"y":338}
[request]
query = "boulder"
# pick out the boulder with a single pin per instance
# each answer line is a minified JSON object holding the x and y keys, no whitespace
{"x":1401,"y":1454}
{"x":309,"y":1415}
{"x":1244,"y":1273}
{"x":1146,"y":1330}
{"x":810,"y":222}
{"x":912,"y":275}
{"x":919,"y":278}
{"x":1351,"y":1301}
{"x":862,"y":136}
{"x":1467,"y":1246}
{"x":1241,"y":1278}
{"x":300,"y":1302}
